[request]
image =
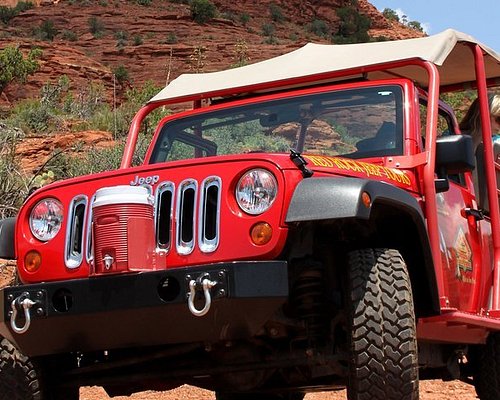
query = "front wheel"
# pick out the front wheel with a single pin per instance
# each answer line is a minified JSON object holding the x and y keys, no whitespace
{"x":383,"y":353}
{"x":22,"y":379}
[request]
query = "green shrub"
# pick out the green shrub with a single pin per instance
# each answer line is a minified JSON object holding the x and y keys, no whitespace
{"x":46,"y":31}
{"x":86,"y":102}
{"x":138,"y":40}
{"x":229,"y":15}
{"x":244,"y":19}
{"x":69,"y":35}
{"x":51,"y":94}
{"x":121,"y":74}
{"x":121,"y":39}
{"x":271,"y":40}
{"x":7,"y":13}
{"x":144,"y":2}
{"x":202,"y":11}
{"x":276,"y":13}
{"x":96,"y":26}
{"x":121,"y":35}
{"x":32,"y":116}
{"x":14,"y":184}
{"x":319,"y":28}
{"x":171,"y":38}
{"x":14,"y":67}
{"x":268,"y":29}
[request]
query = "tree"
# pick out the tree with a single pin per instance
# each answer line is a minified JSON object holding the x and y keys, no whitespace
{"x":353,"y":26}
{"x":203,"y":11}
{"x":390,"y":14}
{"x":415,"y":25}
{"x":14,"y":67}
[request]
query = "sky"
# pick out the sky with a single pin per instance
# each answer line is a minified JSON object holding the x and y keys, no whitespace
{"x":478,"y":18}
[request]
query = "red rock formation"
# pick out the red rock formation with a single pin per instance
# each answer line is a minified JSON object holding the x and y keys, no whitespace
{"x":156,"y":43}
{"x":148,"y":52}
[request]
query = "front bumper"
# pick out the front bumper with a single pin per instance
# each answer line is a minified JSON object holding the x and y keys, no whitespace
{"x":145,"y":309}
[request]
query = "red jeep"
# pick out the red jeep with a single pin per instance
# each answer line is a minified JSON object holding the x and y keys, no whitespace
{"x":310,"y":224}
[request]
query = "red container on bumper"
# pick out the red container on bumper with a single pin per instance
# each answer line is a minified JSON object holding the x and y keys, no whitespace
{"x":123,"y":230}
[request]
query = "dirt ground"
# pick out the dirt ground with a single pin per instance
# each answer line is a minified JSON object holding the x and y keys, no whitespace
{"x":429,"y":390}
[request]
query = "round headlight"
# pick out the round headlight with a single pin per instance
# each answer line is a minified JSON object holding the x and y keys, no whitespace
{"x":256,"y":191}
{"x":46,"y":219}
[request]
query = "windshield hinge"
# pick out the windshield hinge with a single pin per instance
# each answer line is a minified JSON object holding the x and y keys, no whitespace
{"x":478,"y":215}
{"x":300,"y":163}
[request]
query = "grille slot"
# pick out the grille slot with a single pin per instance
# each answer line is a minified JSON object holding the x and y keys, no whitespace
{"x":164,"y":207}
{"x":73,"y":254}
{"x":186,"y":203}
{"x":197,"y":217}
{"x":208,"y":231}
{"x":90,"y":249}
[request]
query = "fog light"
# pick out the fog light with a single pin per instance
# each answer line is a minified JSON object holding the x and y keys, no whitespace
{"x":32,"y":261}
{"x":261,"y":233}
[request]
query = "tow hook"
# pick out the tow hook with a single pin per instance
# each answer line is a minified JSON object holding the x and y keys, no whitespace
{"x":22,"y":303}
{"x":202,"y":283}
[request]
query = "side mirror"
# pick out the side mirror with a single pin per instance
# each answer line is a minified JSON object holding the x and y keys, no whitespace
{"x":454,"y":155}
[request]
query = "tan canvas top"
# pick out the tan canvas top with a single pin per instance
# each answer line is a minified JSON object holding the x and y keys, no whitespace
{"x":448,"y":50}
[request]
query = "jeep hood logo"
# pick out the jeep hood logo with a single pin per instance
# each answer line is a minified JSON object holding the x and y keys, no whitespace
{"x":146,"y":180}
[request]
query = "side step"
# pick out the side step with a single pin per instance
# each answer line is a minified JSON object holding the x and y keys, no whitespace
{"x":457,"y":327}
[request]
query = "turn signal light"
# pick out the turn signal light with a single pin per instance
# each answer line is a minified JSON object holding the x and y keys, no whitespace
{"x":261,"y":233}
{"x":366,"y":199}
{"x":32,"y":261}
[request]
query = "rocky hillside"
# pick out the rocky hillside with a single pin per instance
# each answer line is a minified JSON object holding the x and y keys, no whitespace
{"x":159,"y":40}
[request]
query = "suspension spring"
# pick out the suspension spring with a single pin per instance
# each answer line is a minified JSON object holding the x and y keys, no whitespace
{"x":310,"y":302}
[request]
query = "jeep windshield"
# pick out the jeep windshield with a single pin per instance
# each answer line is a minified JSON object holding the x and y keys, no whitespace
{"x":355,"y":123}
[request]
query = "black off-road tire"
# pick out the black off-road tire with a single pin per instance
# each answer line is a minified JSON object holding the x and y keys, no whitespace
{"x":21,"y":379}
{"x":259,"y":396}
{"x":487,"y":378}
{"x":383,"y":363}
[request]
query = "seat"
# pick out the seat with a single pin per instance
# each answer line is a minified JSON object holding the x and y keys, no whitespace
{"x":384,"y":139}
{"x":479,"y":176}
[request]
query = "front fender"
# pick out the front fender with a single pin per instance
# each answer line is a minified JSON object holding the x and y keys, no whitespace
{"x":329,"y":199}
{"x":317,"y":199}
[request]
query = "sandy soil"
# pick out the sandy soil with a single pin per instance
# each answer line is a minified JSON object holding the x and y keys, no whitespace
{"x":429,"y":390}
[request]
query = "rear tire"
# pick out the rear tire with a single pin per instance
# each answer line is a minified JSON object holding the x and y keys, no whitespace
{"x":383,"y":362}
{"x":487,"y":379}
{"x":21,"y":378}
